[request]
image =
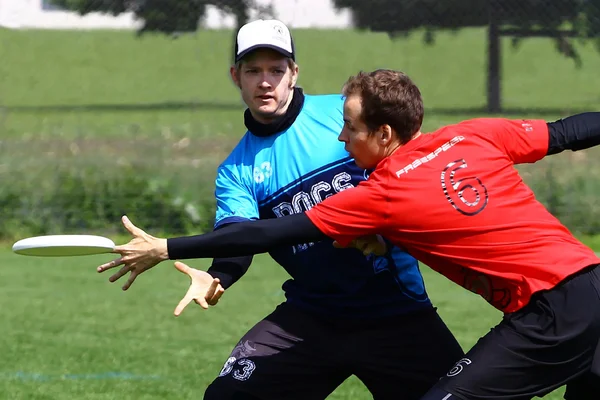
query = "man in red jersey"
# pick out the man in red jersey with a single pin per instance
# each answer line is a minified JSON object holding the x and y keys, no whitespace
{"x":454,"y":200}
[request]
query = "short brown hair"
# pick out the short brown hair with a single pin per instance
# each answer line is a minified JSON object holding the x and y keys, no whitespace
{"x":388,"y":97}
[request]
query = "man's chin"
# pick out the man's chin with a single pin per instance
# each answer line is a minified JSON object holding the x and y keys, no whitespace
{"x":268,"y":113}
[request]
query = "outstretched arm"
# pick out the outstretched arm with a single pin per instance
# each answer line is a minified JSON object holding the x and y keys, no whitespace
{"x":351,"y":214}
{"x":528,"y":141}
{"x":577,"y":132}
{"x":144,"y":251}
{"x":348,"y":215}
{"x":246,"y":238}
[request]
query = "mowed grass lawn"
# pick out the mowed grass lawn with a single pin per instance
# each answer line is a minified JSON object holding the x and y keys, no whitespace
{"x":168,"y":105}
{"x":74,"y":84}
{"x":67,"y":332}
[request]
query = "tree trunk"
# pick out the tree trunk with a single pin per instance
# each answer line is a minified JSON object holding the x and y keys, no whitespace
{"x":241,"y":13}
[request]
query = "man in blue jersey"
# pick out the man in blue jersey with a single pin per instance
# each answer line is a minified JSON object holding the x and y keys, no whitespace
{"x":345,"y":313}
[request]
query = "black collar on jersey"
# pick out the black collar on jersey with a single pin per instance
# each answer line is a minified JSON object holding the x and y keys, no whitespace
{"x":281,"y":124}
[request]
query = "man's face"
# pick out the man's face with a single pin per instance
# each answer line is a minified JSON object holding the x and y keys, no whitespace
{"x":366,"y":148}
{"x":266,"y":82}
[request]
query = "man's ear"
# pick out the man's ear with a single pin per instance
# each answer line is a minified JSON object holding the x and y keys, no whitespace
{"x":385,"y":134}
{"x":294,"y":78}
{"x":233,"y":72}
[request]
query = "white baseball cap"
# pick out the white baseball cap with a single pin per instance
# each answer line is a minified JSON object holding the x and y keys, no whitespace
{"x":271,"y":34}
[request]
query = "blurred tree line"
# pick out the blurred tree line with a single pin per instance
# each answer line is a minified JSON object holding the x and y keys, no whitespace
{"x":560,"y":20}
{"x":529,"y":16}
{"x":165,"y":16}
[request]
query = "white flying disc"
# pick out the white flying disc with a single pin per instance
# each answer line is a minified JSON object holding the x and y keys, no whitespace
{"x":63,"y":245}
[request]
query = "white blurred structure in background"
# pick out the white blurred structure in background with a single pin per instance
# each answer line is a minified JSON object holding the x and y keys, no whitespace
{"x":40,"y":14}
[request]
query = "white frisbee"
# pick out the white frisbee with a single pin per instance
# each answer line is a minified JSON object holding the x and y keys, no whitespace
{"x":63,"y":245}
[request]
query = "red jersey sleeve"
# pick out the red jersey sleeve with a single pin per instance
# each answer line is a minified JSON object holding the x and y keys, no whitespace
{"x":524,"y":141}
{"x":359,"y":211}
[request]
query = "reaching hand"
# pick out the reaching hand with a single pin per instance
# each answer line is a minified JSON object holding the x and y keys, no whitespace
{"x":140,"y":254}
{"x":204,"y":289}
{"x":372,"y":244}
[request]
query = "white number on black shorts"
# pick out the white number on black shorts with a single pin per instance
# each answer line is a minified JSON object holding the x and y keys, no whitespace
{"x":227,"y":367}
{"x":248,"y":368}
{"x":468,"y":195}
{"x":458,"y":367}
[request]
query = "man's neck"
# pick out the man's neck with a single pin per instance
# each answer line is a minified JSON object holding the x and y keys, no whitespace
{"x":396,"y":146}
{"x":262,"y":126}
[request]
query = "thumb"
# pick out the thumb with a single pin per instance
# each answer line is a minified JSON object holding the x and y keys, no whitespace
{"x":181,"y":267}
{"x":134,"y":230}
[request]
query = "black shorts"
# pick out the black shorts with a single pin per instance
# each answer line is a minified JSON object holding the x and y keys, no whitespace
{"x":551,"y":342}
{"x":292,"y":355}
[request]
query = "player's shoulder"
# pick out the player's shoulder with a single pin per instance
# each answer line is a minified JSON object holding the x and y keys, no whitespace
{"x":331,"y":98}
{"x":480,"y":123}
{"x":471,"y":123}
{"x":473,"y":127}
{"x":323,"y":110}
{"x":240,"y":152}
{"x":323,"y":103}
{"x":490,"y":127}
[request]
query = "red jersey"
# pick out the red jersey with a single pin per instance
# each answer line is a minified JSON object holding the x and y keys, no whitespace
{"x":454,"y":200}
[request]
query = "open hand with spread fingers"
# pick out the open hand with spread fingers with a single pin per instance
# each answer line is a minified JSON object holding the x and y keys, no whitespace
{"x":140,"y":254}
{"x":371,"y":244}
{"x":204,"y":289}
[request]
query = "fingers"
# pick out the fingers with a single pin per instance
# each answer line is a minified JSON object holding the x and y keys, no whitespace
{"x":365,"y":247}
{"x":369,"y":249}
{"x":338,"y":245}
{"x":377,"y":246}
{"x":215,"y":299}
{"x":134,"y":230}
{"x":201,"y":301}
{"x":214,"y":292}
{"x":362,"y":245}
{"x":109,"y":265}
{"x":131,"y":279}
{"x":210,"y":292}
{"x":125,"y":269}
{"x":119,"y":274}
{"x":210,"y":297}
{"x":183,"y":303}
{"x":383,"y":248}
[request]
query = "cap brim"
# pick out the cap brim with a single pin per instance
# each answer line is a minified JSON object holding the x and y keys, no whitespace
{"x":264,"y":46}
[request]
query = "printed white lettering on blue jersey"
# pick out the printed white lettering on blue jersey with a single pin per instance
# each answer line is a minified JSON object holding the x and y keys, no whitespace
{"x":289,"y":173}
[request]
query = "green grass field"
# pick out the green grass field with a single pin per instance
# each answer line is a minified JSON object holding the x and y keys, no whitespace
{"x":70,"y":334}
{"x":167,"y":105}
{"x":108,"y":98}
{"x":113,"y":84}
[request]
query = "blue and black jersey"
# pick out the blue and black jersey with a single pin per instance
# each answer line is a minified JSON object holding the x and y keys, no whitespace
{"x":288,"y":173}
